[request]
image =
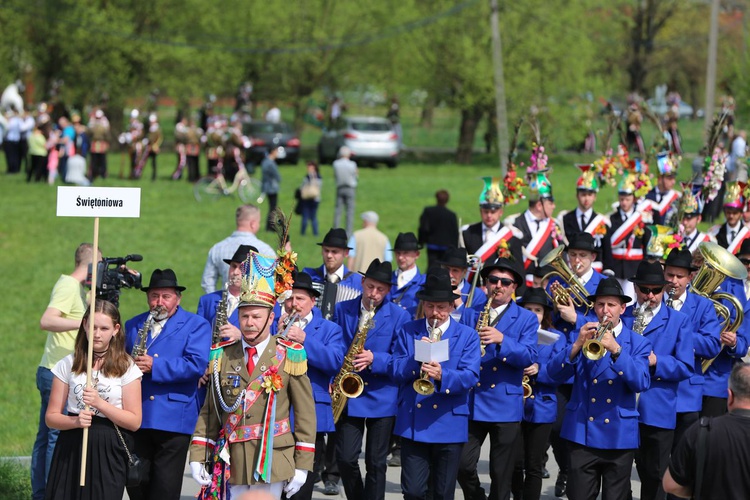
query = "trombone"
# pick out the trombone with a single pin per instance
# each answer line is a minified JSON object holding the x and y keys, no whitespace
{"x":575,"y":290}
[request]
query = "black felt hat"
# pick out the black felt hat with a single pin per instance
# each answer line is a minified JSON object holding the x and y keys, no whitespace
{"x":541,"y":272}
{"x":303,"y":281}
{"x":379,"y":271}
{"x":336,"y":238}
{"x":406,"y":242}
{"x":455,"y":257}
{"x":581,"y":241}
{"x":241,"y":254}
{"x":163,"y":279}
{"x":681,"y":258}
{"x":437,"y":286}
{"x":609,"y":287}
{"x":503,"y":264}
{"x":649,"y":273}
{"x":535,"y":296}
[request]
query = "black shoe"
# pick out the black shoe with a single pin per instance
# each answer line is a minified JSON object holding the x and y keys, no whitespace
{"x":561,"y":484}
{"x":395,"y":460}
{"x":545,"y":473}
{"x":331,"y":488}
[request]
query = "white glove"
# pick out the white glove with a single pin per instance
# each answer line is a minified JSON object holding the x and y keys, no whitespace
{"x":200,"y":474}
{"x":293,"y":486}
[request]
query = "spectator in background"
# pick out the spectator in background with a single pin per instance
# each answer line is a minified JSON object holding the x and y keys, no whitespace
{"x":438,"y":228}
{"x":271,"y":178}
{"x":27,"y":128}
{"x":273,"y":115}
{"x":12,"y":143}
{"x":247,"y":223}
{"x":37,"y":142}
{"x":368,"y":244}
{"x":310,"y":192}
{"x":736,"y":168}
{"x":65,"y":146}
{"x":395,"y":119}
{"x":345,"y":172}
{"x":335,"y":111}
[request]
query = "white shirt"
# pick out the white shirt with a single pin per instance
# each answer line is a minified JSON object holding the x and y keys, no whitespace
{"x":488,"y":232}
{"x":406,"y":276}
{"x":586,"y":276}
{"x":617,"y":330}
{"x":678,"y":302}
{"x":531,"y":222}
{"x":110,"y":389}
{"x":588,"y":214}
{"x":338,"y":272}
{"x":258,"y":349}
{"x":495,"y":312}
{"x":303,"y":322}
{"x":232,"y":303}
{"x":443,"y":326}
{"x":654,"y":312}
{"x":157,"y":327}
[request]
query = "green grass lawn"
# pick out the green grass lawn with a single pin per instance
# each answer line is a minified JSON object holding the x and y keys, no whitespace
{"x":176,"y":231}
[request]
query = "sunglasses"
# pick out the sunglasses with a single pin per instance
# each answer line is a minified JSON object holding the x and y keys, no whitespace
{"x":503,"y":281}
{"x":646,"y":290}
{"x":745,"y":261}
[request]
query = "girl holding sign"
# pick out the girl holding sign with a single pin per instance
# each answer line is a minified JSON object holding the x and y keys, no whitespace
{"x":114,"y":401}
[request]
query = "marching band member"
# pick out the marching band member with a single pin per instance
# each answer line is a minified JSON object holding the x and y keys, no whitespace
{"x":733,"y":232}
{"x":496,"y":406}
{"x":663,"y":194}
{"x":601,"y":419}
{"x":432,"y":423}
{"x":324,"y":345}
{"x":584,"y":219}
{"x":406,"y":279}
{"x":375,"y":408}
{"x":703,"y":326}
{"x":691,"y":208}
{"x":333,"y":273}
{"x":670,"y":362}
{"x":177,"y":345}
{"x":193,"y":139}
{"x":100,"y":134}
{"x":455,"y":260}
{"x":540,"y":408}
{"x":260,"y":386}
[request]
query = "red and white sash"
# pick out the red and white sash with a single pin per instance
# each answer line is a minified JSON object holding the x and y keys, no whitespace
{"x":538,"y":241}
{"x":666,"y":202}
{"x":699,"y":238}
{"x":594,"y":223}
{"x":735,"y":244}
{"x":630,"y":223}
{"x":490,"y":247}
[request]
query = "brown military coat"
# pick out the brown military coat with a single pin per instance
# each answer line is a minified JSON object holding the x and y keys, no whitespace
{"x":292,"y":450}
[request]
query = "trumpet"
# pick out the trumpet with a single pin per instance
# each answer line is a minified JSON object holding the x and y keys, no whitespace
{"x":526,"y":385}
{"x":423,"y":385}
{"x":593,"y":348}
{"x":288,"y":322}
{"x":575,"y":289}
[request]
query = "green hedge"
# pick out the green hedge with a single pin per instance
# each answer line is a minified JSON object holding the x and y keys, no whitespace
{"x":15,"y":480}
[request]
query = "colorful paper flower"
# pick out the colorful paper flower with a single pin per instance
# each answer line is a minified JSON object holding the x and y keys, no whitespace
{"x":272,"y":381}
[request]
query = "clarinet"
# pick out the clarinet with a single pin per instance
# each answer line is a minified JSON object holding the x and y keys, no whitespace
{"x":139,"y":348}
{"x":670,"y":296}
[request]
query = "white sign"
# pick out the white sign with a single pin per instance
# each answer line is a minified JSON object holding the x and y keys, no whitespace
{"x":76,"y":201}
{"x":431,"y":351}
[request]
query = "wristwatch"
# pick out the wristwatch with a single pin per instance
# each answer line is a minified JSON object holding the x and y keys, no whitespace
{"x":616,"y":354}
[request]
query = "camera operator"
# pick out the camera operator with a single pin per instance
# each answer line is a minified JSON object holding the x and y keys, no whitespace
{"x":61,"y":321}
{"x":109,"y":282}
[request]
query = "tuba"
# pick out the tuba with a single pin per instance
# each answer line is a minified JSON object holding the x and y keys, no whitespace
{"x":347,"y":383}
{"x":718,"y":264}
{"x":423,"y":385}
{"x":593,"y":348}
{"x":575,"y":289}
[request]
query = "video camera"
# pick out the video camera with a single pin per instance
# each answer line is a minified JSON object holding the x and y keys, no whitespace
{"x":112,"y":275}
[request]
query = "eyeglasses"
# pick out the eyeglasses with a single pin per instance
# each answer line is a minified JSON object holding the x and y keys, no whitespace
{"x":745,"y":261}
{"x":503,"y":281}
{"x":646,"y":290}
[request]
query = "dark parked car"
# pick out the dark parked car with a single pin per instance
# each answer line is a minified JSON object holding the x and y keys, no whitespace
{"x":371,"y":140}
{"x":264,"y":135}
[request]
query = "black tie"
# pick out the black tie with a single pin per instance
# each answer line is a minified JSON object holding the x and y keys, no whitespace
{"x":689,"y":242}
{"x":731,"y":237}
{"x":583,"y":222}
{"x":538,"y":222}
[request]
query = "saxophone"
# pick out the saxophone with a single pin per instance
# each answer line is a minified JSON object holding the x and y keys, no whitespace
{"x":640,"y":318}
{"x":484,"y":317}
{"x":139,"y":348}
{"x":670,"y":296}
{"x":347,"y":383}
{"x":221,"y":318}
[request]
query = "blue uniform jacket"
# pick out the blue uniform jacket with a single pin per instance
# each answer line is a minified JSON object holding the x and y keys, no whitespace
{"x":541,"y":406}
{"x":207,"y":309}
{"x":351,"y":279}
{"x":379,"y":396}
{"x":443,"y":416}
{"x":498,"y":396}
{"x":324,"y":344}
{"x":705,"y":329}
{"x":406,"y":296}
{"x":170,"y":395}
{"x":717,"y":376}
{"x":590,"y":287}
{"x":672,"y":342}
{"x":601,"y":412}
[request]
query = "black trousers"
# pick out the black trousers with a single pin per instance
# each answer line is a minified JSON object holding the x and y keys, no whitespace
{"x":530,"y":449}
{"x":98,"y":165}
{"x":591,"y":469}
{"x":272,"y":201}
{"x":684,"y":421}
{"x":166,"y":451}
{"x":38,"y":169}
{"x":560,"y":445}
{"x":713,"y":407}
{"x":349,"y":433}
{"x":502,"y":459}
{"x":652,"y":459}
{"x":193,"y":168}
{"x":429,"y":466}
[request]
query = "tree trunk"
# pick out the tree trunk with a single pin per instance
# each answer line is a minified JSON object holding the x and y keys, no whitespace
{"x":469,"y":121}
{"x":300,"y":107}
{"x":428,"y":111}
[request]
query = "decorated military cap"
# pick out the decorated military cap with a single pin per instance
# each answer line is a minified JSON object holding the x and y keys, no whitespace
{"x":627,"y":183}
{"x":663,"y":239}
{"x":540,"y":187}
{"x":492,"y":195}
{"x":635,"y":179}
{"x":258,"y":281}
{"x":588,"y":180}
{"x":691,"y":201}
{"x":734,"y":195}
{"x":666,"y":164}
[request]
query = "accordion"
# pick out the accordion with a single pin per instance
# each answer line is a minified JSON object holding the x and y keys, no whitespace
{"x":331,"y":294}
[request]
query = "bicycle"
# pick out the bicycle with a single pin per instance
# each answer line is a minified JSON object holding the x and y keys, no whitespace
{"x":248,"y":188}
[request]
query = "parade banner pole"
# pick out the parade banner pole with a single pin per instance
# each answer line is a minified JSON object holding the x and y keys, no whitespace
{"x":96,"y":203}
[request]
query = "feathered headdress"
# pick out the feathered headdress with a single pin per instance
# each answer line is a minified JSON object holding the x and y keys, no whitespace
{"x":714,"y":165}
{"x":513,"y":184}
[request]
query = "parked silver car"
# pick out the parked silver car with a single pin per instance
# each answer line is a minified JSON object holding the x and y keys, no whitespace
{"x":371,"y":140}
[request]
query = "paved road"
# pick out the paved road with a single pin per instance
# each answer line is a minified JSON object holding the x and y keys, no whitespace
{"x":393,"y":488}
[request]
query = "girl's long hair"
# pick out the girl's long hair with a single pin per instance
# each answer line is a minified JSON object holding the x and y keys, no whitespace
{"x":116,"y":361}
